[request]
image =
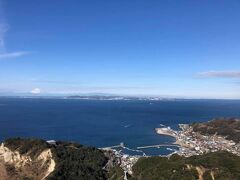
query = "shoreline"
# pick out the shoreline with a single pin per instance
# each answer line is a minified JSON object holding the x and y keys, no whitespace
{"x":194,"y":143}
{"x":167,"y":131}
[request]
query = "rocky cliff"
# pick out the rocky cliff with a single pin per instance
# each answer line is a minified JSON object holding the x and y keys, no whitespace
{"x":14,"y":165}
{"x":36,"y":159}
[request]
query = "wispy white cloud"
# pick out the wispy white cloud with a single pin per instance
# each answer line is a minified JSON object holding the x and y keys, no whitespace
{"x":219,"y":74}
{"x":12,"y":54}
{"x":3,"y":53}
{"x":3,"y":30}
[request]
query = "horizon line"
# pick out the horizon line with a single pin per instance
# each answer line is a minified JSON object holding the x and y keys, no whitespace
{"x":51,"y":95}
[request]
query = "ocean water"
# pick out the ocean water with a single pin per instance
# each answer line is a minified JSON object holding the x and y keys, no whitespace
{"x":106,"y":123}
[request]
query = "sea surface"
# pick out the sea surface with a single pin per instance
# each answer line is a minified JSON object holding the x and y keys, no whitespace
{"x":103,"y":123}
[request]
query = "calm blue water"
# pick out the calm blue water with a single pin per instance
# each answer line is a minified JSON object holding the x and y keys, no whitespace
{"x":105,"y":123}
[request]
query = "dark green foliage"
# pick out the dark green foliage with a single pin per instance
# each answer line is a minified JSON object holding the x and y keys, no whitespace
{"x":224,"y":165}
{"x":229,"y":127}
{"x":116,"y":173}
{"x":75,"y":161}
{"x":225,"y":162}
{"x":162,"y":168}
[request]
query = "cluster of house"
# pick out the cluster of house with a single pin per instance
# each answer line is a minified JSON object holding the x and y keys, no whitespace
{"x":194,"y":143}
{"x":126,"y":161}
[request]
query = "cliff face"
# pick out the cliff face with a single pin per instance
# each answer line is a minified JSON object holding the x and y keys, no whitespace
{"x":37,"y":160}
{"x":14,"y":165}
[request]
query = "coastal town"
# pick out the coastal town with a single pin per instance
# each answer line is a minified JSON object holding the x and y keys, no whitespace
{"x":193,"y":143}
{"x":218,"y":135}
{"x":188,"y":141}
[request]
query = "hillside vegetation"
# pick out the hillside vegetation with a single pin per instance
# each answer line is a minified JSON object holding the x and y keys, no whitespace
{"x":74,"y":161}
{"x":229,"y":127}
{"x":218,"y":165}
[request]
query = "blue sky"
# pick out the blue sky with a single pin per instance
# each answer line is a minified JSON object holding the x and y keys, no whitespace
{"x":160,"y":47}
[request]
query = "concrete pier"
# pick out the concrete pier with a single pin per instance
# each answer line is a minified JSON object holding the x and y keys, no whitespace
{"x":158,"y":145}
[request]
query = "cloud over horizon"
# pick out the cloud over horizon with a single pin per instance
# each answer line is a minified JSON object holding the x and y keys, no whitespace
{"x":219,"y":74}
{"x":35,"y":91}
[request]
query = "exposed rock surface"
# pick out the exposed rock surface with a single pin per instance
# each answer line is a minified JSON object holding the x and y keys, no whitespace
{"x":37,"y":159}
{"x":14,"y":165}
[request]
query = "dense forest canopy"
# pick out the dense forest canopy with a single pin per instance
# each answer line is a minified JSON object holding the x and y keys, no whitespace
{"x":222,"y":165}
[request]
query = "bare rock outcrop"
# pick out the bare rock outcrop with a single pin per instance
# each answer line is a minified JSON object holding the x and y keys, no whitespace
{"x":14,"y":165}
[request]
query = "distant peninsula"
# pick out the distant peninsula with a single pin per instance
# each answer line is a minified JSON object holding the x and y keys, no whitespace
{"x":116,"y":97}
